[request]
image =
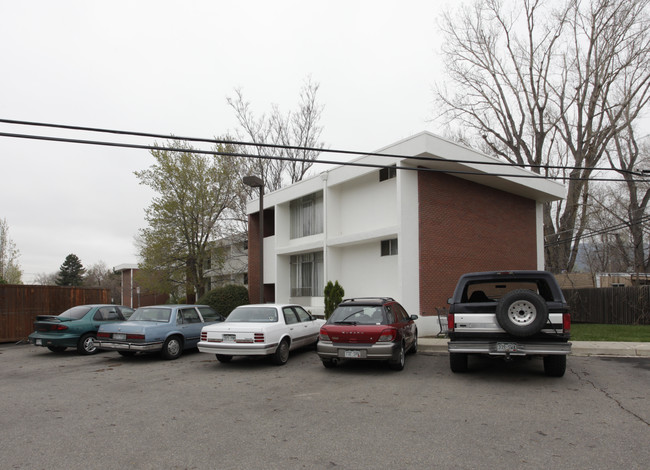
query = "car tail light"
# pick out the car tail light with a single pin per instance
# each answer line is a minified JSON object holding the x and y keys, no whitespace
{"x":204,"y":336}
{"x":450,"y":322}
{"x":101,"y":334}
{"x":324,"y":336}
{"x":134,"y":336}
{"x":259,"y":337}
{"x":58,"y":327}
{"x":387,"y":335}
{"x":566,"y":322}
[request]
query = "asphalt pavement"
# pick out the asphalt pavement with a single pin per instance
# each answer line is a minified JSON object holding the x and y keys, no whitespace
{"x":578,"y":348}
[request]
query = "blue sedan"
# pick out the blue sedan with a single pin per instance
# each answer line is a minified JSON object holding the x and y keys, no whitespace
{"x":168,"y":329}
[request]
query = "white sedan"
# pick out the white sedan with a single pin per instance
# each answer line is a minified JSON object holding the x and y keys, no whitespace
{"x":261,"y":330}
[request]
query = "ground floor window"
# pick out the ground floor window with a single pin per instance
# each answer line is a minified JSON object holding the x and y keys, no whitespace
{"x":307,"y":275}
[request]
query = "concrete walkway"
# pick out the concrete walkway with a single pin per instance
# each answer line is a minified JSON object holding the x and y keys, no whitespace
{"x":578,"y":348}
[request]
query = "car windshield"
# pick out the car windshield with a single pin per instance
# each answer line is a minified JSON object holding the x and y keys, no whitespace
{"x":151,"y":314}
{"x":253,"y":315}
{"x":358,"y":315}
{"x":76,"y":313}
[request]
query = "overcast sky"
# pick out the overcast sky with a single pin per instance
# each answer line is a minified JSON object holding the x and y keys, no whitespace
{"x":167,"y":67}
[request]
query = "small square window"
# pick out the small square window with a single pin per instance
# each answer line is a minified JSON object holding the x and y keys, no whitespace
{"x":389,"y":247}
{"x":388,"y":173}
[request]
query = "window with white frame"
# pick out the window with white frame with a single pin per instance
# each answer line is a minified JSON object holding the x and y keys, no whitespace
{"x":307,"y":275}
{"x":307,"y":215}
{"x":389,"y":247}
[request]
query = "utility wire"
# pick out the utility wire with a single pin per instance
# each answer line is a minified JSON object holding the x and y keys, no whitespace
{"x":604,"y":230}
{"x":528,"y":175}
{"x":313,"y":149}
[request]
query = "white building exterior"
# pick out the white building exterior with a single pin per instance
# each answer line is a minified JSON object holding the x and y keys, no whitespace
{"x":363,"y":221}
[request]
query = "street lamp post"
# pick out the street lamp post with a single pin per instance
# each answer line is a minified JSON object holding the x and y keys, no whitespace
{"x":256,"y":182}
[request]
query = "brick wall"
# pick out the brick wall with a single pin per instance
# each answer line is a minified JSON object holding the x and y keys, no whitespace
{"x":467,"y":227}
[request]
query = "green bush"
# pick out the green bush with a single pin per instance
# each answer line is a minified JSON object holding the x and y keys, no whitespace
{"x":225,"y":299}
{"x":333,"y":296}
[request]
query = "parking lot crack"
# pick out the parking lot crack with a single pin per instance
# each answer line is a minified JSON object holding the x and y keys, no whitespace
{"x":609,"y":396}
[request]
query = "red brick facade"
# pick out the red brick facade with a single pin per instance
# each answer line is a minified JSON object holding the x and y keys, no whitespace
{"x":466,"y":227}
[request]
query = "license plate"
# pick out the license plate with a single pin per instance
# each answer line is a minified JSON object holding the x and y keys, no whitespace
{"x":39,"y":342}
{"x":228,"y":338}
{"x":353,"y":354}
{"x":119,"y":336}
{"x":506,"y":347}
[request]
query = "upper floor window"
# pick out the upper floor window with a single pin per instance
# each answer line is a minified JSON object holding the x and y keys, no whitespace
{"x":389,"y":247}
{"x":388,"y":173}
{"x":307,"y":215}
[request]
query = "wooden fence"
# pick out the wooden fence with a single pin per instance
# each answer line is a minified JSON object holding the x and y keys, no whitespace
{"x":19,"y":305}
{"x":610,"y":305}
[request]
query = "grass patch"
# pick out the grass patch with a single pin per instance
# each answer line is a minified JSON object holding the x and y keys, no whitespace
{"x":599,"y":332}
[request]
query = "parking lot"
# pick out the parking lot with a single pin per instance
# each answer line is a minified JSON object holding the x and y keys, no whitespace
{"x":107,"y":411}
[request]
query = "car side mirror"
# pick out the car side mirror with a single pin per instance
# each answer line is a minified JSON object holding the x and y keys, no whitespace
{"x":450,"y":300}
{"x":414,"y":317}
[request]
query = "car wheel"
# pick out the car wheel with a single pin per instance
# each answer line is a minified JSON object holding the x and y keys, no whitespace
{"x":414,"y":346}
{"x":223,"y":358}
{"x":57,"y":349}
{"x":126,"y":353}
{"x":522,"y":312}
{"x":329,"y":363}
{"x":554,"y":366}
{"x":281,"y":355}
{"x":398,"y":364}
{"x":458,"y":362}
{"x":86,"y":345}
{"x":172,"y":348}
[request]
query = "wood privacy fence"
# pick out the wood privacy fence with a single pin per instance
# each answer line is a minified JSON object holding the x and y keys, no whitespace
{"x":610,"y":305}
{"x":19,"y":305}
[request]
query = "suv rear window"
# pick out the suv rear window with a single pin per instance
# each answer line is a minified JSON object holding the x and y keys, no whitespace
{"x":492,"y":291}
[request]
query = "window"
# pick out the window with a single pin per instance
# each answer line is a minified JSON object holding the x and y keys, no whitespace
{"x":307,"y":215}
{"x":389,"y":247}
{"x":388,"y":173}
{"x":307,"y":275}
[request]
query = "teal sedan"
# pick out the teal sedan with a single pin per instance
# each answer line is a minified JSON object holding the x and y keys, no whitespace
{"x":76,"y":327}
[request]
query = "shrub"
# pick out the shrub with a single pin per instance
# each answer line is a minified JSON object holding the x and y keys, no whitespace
{"x":225,"y":299}
{"x":333,"y":296}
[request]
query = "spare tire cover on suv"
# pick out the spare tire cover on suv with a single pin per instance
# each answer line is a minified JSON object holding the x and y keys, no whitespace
{"x":522,"y":312}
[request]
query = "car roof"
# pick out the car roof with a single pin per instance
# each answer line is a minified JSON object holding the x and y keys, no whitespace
{"x":367,"y":301}
{"x":270,"y":305}
{"x":173,"y":305}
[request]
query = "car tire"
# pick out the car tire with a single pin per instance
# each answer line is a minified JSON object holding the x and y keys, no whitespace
{"x":398,"y":364}
{"x":522,"y":312}
{"x":126,"y":353}
{"x":57,"y":349}
{"x":328,"y":363}
{"x":86,"y":345}
{"x":458,"y":362}
{"x":223,"y":358}
{"x":554,"y":366}
{"x":281,"y":355}
{"x":172,"y":348}
{"x":414,"y":346}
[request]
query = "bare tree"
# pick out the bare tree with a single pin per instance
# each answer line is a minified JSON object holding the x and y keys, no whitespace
{"x":297,"y":132}
{"x":548,"y":88}
{"x":46,"y":279}
{"x":10,"y":271}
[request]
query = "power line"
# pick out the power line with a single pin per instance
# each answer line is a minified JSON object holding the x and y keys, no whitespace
{"x":291,"y":147}
{"x":602,"y":231}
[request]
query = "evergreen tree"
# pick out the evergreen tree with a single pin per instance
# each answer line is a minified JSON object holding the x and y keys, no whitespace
{"x":71,"y":272}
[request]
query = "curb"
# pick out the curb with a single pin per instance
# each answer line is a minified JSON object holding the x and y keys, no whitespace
{"x":578,"y":348}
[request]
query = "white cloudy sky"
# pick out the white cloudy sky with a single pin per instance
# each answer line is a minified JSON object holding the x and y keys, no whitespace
{"x":167,"y":67}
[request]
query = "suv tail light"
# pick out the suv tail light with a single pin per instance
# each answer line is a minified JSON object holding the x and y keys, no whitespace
{"x":450,"y":322}
{"x":389,"y":334}
{"x":566,"y":322}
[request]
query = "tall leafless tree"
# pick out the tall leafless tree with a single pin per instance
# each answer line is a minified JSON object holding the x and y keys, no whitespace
{"x":297,"y":132}
{"x":548,"y":86}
